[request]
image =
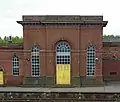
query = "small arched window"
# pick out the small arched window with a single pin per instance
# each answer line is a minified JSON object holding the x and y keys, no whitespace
{"x":15,"y":65}
{"x":35,"y":71}
{"x":91,"y":61}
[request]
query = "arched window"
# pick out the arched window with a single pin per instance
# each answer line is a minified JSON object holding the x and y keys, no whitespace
{"x":91,"y":61}
{"x":15,"y":65}
{"x":63,"y":53}
{"x":35,"y":71}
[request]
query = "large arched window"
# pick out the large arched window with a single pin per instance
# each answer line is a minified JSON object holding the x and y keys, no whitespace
{"x":35,"y":71}
{"x":91,"y":61}
{"x":15,"y":65}
{"x":63,"y":63}
{"x":63,"y":53}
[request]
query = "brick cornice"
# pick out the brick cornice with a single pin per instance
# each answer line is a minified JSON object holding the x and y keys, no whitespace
{"x":68,"y":24}
{"x":62,"y":20}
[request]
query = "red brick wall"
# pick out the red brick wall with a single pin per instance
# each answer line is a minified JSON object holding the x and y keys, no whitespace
{"x":79,"y":39}
{"x":90,"y":36}
{"x":111,"y":62}
{"x":6,"y":64}
{"x":33,"y":36}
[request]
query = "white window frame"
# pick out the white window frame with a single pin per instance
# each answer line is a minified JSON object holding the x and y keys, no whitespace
{"x":15,"y":65}
{"x":35,"y":63}
{"x":91,"y":61}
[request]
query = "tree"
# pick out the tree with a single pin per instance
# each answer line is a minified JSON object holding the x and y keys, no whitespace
{"x":14,"y":40}
{"x":111,"y":36}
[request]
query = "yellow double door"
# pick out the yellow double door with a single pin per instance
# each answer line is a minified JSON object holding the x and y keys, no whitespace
{"x":63,"y":74}
{"x":1,"y":78}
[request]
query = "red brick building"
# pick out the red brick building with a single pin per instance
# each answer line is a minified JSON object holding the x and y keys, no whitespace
{"x":60,"y":50}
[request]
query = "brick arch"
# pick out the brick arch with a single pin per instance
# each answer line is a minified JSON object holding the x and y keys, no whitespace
{"x":15,"y":55}
{"x":1,"y":68}
{"x":54,"y":43}
{"x":90,"y":44}
{"x":35,"y":45}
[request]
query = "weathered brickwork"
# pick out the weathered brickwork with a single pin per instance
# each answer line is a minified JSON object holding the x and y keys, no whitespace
{"x":46,"y":31}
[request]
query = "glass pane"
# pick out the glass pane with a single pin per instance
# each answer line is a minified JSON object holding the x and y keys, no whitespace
{"x":15,"y":65}
{"x":36,"y":64}
{"x":91,"y":61}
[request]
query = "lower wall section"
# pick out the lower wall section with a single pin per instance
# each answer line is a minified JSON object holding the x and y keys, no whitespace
{"x":49,"y":81}
{"x":87,"y":81}
{"x":13,"y":80}
{"x":76,"y":81}
{"x":34,"y":81}
{"x":39,"y":81}
{"x":91,"y":81}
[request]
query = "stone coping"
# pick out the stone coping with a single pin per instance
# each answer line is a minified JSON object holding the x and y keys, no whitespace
{"x":104,"y":89}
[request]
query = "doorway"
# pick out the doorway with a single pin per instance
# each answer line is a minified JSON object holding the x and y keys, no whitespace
{"x":63,"y":69}
{"x":1,"y":77}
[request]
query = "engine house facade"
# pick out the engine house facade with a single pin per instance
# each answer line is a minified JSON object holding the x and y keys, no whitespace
{"x":60,"y":51}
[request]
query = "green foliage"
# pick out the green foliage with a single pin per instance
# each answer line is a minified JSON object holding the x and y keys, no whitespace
{"x":19,"y":40}
{"x":15,"y":40}
{"x":111,"y":36}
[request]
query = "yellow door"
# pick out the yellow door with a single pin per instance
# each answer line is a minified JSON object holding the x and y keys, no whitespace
{"x":1,"y":78}
{"x":63,"y":74}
